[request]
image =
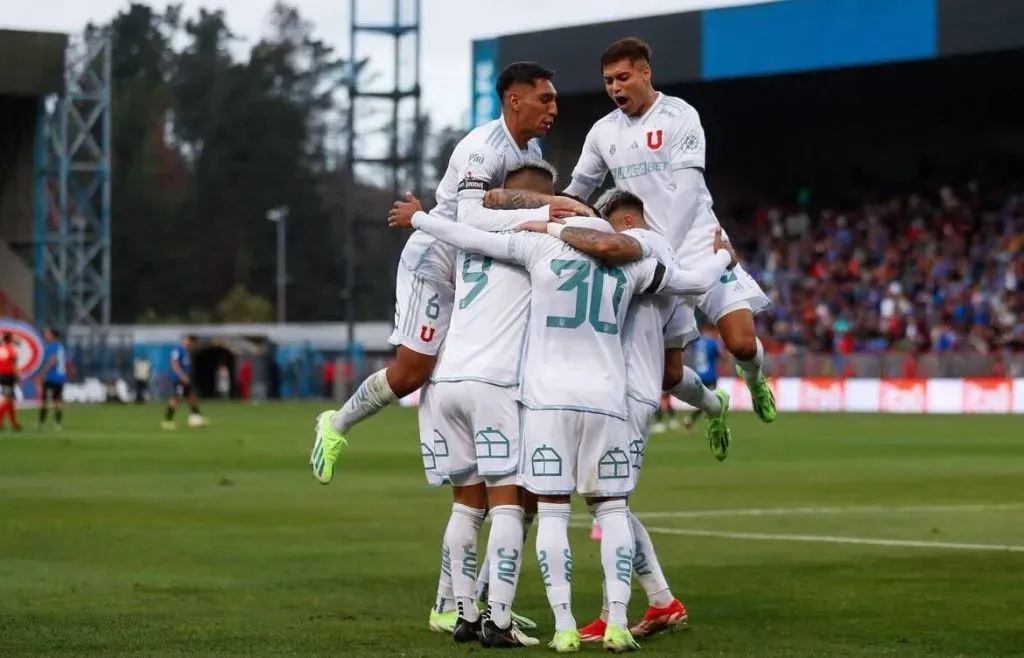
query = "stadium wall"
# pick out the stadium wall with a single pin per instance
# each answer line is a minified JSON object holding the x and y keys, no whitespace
{"x":887,"y":396}
{"x":763,"y":39}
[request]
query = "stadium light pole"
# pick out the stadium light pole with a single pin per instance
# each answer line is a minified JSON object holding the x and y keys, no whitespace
{"x":280,"y":217}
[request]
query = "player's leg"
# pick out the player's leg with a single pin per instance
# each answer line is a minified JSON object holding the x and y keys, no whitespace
{"x":44,"y":403}
{"x":669,"y":412}
{"x":422,"y":312}
{"x":58,"y":406}
{"x":193,"y":402}
{"x":606,"y":478}
{"x":731,"y":305}
{"x":451,"y":405}
{"x":663,"y":609}
{"x":177,"y":393}
{"x":548,"y":470}
{"x":684,"y":383}
{"x":498,"y":446}
{"x":7,"y":401}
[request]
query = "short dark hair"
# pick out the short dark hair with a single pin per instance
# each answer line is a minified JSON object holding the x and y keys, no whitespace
{"x":536,"y":165}
{"x":631,"y":48}
{"x":520,"y":72}
{"x":581,"y":200}
{"x":619,"y":199}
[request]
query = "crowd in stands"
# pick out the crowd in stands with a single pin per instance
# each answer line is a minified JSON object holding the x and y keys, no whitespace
{"x":935,"y":272}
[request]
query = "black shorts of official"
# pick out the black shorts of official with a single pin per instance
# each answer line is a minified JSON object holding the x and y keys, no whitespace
{"x":7,"y":383}
{"x":182,"y":390}
{"x":53,"y":391}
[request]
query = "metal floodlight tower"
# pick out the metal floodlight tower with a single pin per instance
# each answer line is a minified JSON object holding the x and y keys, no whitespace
{"x":72,"y":260}
{"x":403,"y":26}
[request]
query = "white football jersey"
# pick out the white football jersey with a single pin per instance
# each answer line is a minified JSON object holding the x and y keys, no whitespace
{"x":574,"y":354}
{"x":644,"y":337}
{"x":488,"y":324}
{"x":642,"y":154}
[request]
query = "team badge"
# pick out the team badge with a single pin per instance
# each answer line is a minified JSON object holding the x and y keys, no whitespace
{"x":28,"y":343}
{"x":654,"y":139}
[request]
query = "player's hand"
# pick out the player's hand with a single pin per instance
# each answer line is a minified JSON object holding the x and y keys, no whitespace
{"x":534,"y":227}
{"x":403,"y":210}
{"x":563,"y":206}
{"x":721,"y":243}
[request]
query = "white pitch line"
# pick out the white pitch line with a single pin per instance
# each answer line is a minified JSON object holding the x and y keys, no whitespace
{"x":823,"y":511}
{"x":830,"y":539}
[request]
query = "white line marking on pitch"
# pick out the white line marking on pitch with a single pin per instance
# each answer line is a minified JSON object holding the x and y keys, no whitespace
{"x":810,"y":511}
{"x":829,"y":539}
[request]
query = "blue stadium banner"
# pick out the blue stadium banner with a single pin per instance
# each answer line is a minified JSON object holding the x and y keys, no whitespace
{"x":807,"y":35}
{"x":484,"y":103}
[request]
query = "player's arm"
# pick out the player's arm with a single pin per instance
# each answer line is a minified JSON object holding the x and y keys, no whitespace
{"x":615,"y":248}
{"x":480,"y":169}
{"x":465,"y":237}
{"x":178,"y":370}
{"x":502,"y":199}
{"x":590,"y":169}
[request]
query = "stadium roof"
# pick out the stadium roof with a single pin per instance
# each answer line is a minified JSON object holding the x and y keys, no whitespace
{"x":768,"y":39}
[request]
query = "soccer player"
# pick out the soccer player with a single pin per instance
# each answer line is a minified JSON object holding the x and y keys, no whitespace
{"x":653,"y":145}
{"x":8,"y":380}
{"x":649,"y":322}
{"x":573,"y":391}
{"x":55,"y":375}
{"x":476,"y":416}
{"x":181,"y":381}
{"x":705,"y":363}
{"x":425,"y":290}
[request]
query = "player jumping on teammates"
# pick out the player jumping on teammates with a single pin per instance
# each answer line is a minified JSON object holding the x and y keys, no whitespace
{"x":705,"y":363}
{"x":574,"y":430}
{"x":8,"y":380}
{"x":425,"y":291}
{"x":181,"y":382}
{"x":55,"y":375}
{"x":653,"y":145}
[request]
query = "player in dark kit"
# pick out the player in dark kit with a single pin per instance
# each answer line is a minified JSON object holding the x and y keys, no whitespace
{"x":54,"y":376}
{"x":181,"y":384}
{"x":8,"y":380}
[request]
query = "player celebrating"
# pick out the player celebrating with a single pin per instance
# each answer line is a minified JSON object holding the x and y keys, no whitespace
{"x":650,"y":321}
{"x":574,"y":427}
{"x":55,"y":375}
{"x":653,"y":145}
{"x":705,"y":363}
{"x":8,"y":380}
{"x":181,"y":383}
{"x":425,"y":288}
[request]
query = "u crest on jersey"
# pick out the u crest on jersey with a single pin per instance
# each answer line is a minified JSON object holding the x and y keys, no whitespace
{"x":426,"y":333}
{"x":654,"y":139}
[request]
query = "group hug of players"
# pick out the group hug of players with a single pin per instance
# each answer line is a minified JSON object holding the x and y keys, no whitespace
{"x":541,"y":332}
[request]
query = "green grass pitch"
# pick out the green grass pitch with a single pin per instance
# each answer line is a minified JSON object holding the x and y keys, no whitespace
{"x":120,"y":539}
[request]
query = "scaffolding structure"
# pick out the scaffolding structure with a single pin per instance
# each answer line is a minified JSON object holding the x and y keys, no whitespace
{"x":403,"y":166}
{"x":72,"y":241}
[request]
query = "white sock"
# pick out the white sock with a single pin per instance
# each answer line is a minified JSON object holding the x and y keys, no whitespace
{"x":460,"y":541}
{"x":372,"y":395}
{"x":445,"y":601}
{"x":692,"y":391}
{"x":555,"y":560}
{"x":752,"y":369}
{"x":483,"y":583}
{"x":646,"y":565}
{"x":616,"y":556}
{"x":604,"y":602}
{"x":505,"y":557}
{"x":483,"y":578}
